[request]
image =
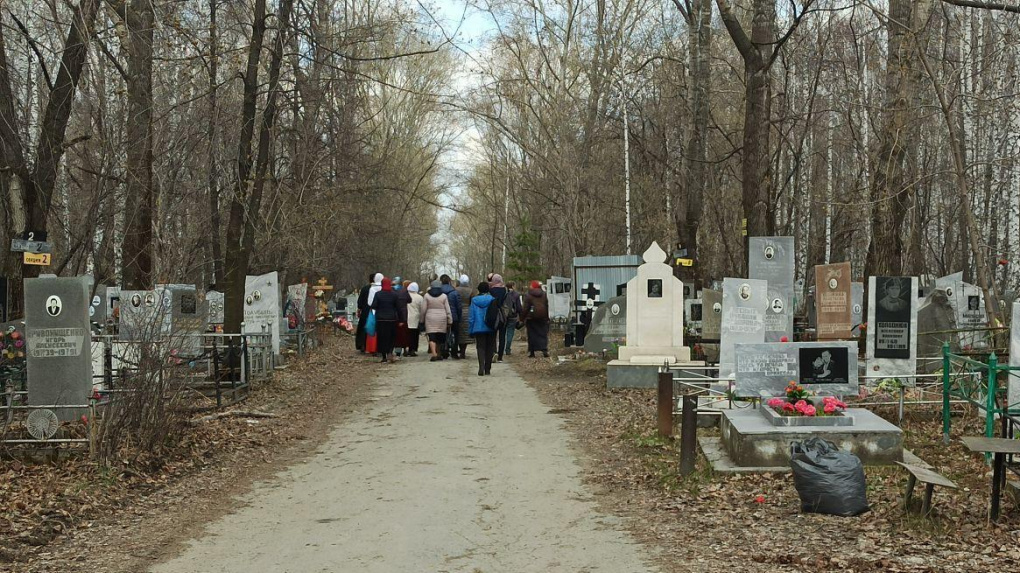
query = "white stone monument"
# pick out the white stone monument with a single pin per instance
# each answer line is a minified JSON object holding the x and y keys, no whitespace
{"x":655,"y":313}
{"x":655,"y":325}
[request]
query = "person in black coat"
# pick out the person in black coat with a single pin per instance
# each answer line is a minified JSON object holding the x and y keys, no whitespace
{"x":385,"y":305}
{"x":361,"y":335}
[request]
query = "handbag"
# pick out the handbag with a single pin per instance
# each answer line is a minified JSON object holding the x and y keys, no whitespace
{"x":370,"y":324}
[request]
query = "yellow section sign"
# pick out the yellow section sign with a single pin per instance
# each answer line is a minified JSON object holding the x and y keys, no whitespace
{"x":685,"y":262}
{"x":38,"y":259}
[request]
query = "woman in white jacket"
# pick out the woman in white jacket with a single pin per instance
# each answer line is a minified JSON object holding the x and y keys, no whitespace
{"x":415,"y":316}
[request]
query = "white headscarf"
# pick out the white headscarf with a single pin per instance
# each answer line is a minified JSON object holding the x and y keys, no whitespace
{"x":413,"y":287}
{"x":464,"y":280}
{"x":376,"y":287}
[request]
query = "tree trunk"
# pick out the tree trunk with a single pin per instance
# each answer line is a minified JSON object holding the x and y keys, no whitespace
{"x":247,"y":200}
{"x":34,"y":185}
{"x":690,"y":211}
{"x":214,"y":192}
{"x":139,"y":18}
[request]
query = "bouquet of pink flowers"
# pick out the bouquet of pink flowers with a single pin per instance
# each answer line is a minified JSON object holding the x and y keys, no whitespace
{"x":796,"y":404}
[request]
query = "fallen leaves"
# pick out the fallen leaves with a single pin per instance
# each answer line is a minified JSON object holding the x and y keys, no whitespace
{"x":752,"y":522}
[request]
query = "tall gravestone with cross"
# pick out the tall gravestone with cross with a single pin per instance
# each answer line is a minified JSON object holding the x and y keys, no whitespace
{"x":655,"y":324}
{"x":57,"y":334}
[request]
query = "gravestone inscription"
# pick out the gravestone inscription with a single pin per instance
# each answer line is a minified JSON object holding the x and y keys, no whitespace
{"x":893,"y":318}
{"x":608,"y":326}
{"x":743,"y":319}
{"x":856,"y":308}
{"x":58,"y":338}
{"x":772,"y":259}
{"x":711,"y":314}
{"x":832,"y":299}
{"x":262,"y":306}
{"x":825,"y":368}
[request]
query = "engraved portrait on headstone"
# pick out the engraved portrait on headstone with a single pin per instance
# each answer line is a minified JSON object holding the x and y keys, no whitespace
{"x":771,"y":259}
{"x":824,"y":365}
{"x":892,"y":333}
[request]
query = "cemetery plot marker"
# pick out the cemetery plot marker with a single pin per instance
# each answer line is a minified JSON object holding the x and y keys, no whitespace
{"x":58,"y":337}
{"x":892,"y":317}
{"x":832,"y":300}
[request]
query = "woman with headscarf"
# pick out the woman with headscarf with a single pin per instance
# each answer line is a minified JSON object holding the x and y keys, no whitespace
{"x":536,"y":318}
{"x":415,"y":316}
{"x":403,"y":300}
{"x":363,"y":310}
{"x":485,"y":336}
{"x":464,"y":293}
{"x":384,"y":303}
{"x":438,"y":318}
{"x":499,"y":295}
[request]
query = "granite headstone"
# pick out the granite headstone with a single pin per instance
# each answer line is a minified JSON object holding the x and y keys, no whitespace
{"x":1013,"y":391}
{"x":856,"y":308}
{"x":772,"y":259}
{"x":711,"y":315}
{"x":262,"y":306}
{"x":743,"y":319}
{"x":833,"y":301}
{"x":825,"y":368}
{"x":608,"y":326}
{"x":58,"y":338}
{"x":892,"y":322}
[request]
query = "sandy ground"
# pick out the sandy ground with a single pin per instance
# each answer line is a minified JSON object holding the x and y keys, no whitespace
{"x":447,"y":472}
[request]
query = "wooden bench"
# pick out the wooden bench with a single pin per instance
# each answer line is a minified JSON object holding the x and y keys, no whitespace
{"x":1000,"y":448}
{"x":930,"y":478}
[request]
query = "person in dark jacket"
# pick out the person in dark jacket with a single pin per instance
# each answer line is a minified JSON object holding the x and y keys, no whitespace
{"x":498,"y":291}
{"x":454,"y":298}
{"x":485,"y":337}
{"x":536,"y":317}
{"x":385,"y":306}
{"x":359,"y":339}
{"x":513,"y":315}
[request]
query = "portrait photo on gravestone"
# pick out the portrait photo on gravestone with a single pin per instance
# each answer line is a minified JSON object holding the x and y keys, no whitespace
{"x":655,"y":288}
{"x":824,"y":365}
{"x":892,"y":317}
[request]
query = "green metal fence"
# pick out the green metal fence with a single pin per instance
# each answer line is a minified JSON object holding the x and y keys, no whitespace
{"x":978,"y":383}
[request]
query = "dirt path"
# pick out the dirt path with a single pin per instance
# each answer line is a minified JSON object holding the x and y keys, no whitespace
{"x":446,"y":472}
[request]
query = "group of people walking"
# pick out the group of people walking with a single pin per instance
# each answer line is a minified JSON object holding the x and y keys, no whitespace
{"x":393,"y":315}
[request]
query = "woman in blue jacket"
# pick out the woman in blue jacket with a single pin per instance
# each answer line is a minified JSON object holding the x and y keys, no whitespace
{"x":485,"y":337}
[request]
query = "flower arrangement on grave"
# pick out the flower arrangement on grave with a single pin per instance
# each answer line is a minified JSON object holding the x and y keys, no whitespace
{"x":797,"y":403}
{"x":12,"y":347}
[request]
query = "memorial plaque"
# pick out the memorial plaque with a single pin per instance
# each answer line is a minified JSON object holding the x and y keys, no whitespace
{"x":833,"y":301}
{"x":262,"y":306}
{"x":188,"y":320}
{"x":743,"y":319}
{"x":825,"y":368}
{"x":608,"y":326}
{"x":893,"y":318}
{"x":694,"y":313}
{"x":772,"y":259}
{"x":214,"y":300}
{"x":711,"y":314}
{"x":1013,"y":391}
{"x":856,"y":308}
{"x":141,"y":316}
{"x":971,"y":315}
{"x":58,"y":338}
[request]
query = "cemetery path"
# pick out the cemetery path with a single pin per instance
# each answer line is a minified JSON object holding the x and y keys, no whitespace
{"x":446,"y":472}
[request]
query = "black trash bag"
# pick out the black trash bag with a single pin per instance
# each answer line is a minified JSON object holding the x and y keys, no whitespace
{"x":828,"y":480}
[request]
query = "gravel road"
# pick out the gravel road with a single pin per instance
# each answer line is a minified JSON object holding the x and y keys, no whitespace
{"x":444,"y":472}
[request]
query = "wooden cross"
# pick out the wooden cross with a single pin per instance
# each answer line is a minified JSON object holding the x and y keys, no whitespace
{"x":322,"y":285}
